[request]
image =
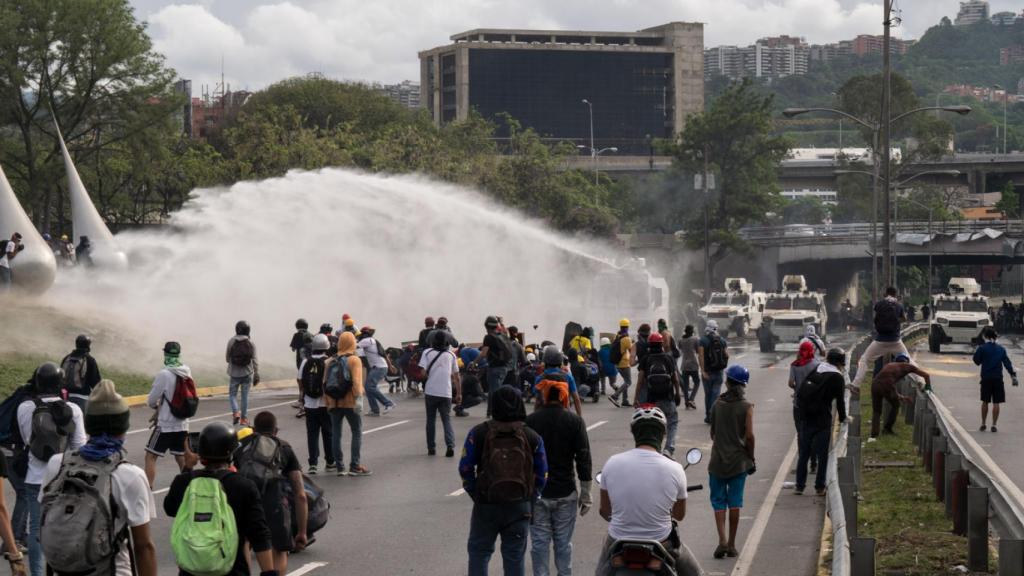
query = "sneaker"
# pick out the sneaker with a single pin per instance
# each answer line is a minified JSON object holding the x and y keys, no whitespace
{"x":312,"y":470}
{"x":359,"y":470}
{"x":461,"y":413}
{"x":994,"y":429}
{"x":626,"y":404}
{"x":449,"y":452}
{"x":721,"y":551}
{"x":614,"y":401}
{"x":374,"y":414}
{"x":341,"y":471}
{"x":798,"y":491}
{"x":243,"y":421}
{"x":431,"y":452}
{"x":234,"y":419}
{"x":330,"y":468}
{"x":982,"y":428}
{"x":389,"y":408}
{"x":732,"y":552}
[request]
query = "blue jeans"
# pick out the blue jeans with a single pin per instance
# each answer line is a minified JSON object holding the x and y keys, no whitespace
{"x":712,"y":388}
{"x":443,"y":406}
{"x":672,"y":415}
{"x":19,"y":516}
{"x":512,"y":523}
{"x":5,"y":279}
{"x":35,"y":513}
{"x":245,"y":383}
{"x":627,"y":380}
{"x":355,"y":425}
{"x":813,"y":442}
{"x":495,"y":378}
{"x":690,"y":390}
{"x":553,"y":519}
{"x":373,"y":393}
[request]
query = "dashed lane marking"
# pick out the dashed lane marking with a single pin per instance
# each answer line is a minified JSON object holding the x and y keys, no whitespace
{"x":596,"y":425}
{"x":307,"y":568}
{"x":458,"y":492}
{"x":385,"y":427}
{"x":160,"y":491}
{"x":141,"y":430}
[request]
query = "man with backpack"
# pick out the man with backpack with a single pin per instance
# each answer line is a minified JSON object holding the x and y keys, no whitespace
{"x":48,"y":426}
{"x":312,"y":378}
{"x":658,"y":381}
{"x":376,"y":361}
{"x":344,"y":397}
{"x":300,"y":341}
{"x":173,"y":396}
{"x":9,"y":250}
{"x":443,"y":386}
{"x":503,"y":469}
{"x":814,"y":399}
{"x":712,"y":351}
{"x":81,"y":373}
{"x":273,"y":467}
{"x":555,"y":374}
{"x":889,"y":317}
{"x":554,"y":516}
{"x":77,"y":521}
{"x":498,"y":351}
{"x":243,"y":370}
{"x":621,"y":354}
{"x":217,"y":512}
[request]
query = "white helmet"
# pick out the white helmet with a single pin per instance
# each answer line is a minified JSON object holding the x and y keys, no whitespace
{"x":648,"y":413}
{"x":712,"y":326}
{"x":321,"y":343}
{"x":531,"y":357}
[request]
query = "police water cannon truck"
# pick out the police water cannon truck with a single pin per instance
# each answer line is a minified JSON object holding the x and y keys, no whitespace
{"x":959,"y":315}
{"x":738,"y":310}
{"x":788,"y":313}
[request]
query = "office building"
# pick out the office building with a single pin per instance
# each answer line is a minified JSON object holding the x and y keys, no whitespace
{"x":407,"y":93}
{"x":972,"y":12}
{"x":774,"y":57}
{"x":1004,"y":19}
{"x":184,"y":116}
{"x":640,"y":85}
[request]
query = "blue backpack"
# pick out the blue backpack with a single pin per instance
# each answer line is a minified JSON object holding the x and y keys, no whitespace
{"x":339,"y":379}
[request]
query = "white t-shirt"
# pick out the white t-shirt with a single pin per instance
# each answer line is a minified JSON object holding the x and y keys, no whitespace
{"x":36,"y":467}
{"x":309,"y":401}
{"x":135,"y":503}
{"x":439,"y":381}
{"x":643,"y":486}
{"x":367,"y":348}
{"x":4,"y":260}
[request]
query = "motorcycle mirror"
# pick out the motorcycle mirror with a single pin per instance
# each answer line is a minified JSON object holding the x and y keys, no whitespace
{"x":694,"y":456}
{"x":598,"y":478}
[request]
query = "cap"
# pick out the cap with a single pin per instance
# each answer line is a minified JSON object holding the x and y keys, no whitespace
{"x":172,"y":348}
{"x":106,"y":412}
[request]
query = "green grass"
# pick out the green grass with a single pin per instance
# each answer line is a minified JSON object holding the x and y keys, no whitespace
{"x":16,"y":369}
{"x":899,"y":508}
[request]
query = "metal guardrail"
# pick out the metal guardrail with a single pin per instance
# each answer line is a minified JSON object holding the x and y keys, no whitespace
{"x":801,"y":233}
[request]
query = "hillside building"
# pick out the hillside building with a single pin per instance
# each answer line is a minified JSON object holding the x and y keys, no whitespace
{"x":972,"y":12}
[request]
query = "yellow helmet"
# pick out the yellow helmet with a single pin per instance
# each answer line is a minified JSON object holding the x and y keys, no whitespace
{"x":243,"y":433}
{"x":624,"y":323}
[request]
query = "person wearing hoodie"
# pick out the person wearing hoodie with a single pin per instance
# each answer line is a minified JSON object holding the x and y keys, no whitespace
{"x":625,"y":353}
{"x":499,"y":509}
{"x":243,"y":369}
{"x":826,"y":385}
{"x":811,"y":335}
{"x":688,"y":346}
{"x":713,"y":355}
{"x":348,"y":408}
{"x":170,"y":433}
{"x":732,"y":456}
{"x":81,"y":372}
{"x":889,"y":316}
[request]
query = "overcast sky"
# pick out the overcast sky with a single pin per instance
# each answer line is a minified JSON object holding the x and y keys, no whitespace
{"x":262,"y":41}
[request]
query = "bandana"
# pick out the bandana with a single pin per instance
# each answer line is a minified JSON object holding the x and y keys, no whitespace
{"x":100,"y":447}
{"x":805,"y":355}
{"x":172,"y":360}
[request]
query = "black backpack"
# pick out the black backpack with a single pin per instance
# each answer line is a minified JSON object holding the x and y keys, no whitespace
{"x":313,"y":377}
{"x":75,"y":368}
{"x":506,"y":465}
{"x":641,"y":348}
{"x":715,"y":356}
{"x":887,"y":317}
{"x":810,"y":396}
{"x":242,"y":353}
{"x":339,"y":379}
{"x":260,"y":460}
{"x":615,"y":354}
{"x":502,"y":353}
{"x":52,"y":426}
{"x":659,"y":376}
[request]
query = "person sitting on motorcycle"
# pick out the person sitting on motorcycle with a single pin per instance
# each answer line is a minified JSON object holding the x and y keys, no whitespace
{"x":643,"y":495}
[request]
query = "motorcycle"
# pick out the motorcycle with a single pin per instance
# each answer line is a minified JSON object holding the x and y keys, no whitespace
{"x":649,"y":557}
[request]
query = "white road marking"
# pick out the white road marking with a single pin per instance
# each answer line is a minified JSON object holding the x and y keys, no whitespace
{"x":458,"y":492}
{"x":140,"y":430}
{"x":307,"y":568}
{"x":160,"y":491}
{"x":596,"y":425}
{"x":746,"y":557}
{"x":385,"y":427}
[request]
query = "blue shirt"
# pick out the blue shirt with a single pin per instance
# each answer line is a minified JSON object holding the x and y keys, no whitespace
{"x":992,"y":358}
{"x":568,"y":378}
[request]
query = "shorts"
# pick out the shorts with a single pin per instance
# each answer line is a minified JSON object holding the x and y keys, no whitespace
{"x":161,"y":443}
{"x":727,"y":493}
{"x":993,"y":391}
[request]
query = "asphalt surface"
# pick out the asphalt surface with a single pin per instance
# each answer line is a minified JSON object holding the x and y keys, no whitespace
{"x":411,"y":516}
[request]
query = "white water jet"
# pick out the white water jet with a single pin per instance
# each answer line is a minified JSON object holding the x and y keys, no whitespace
{"x":32,"y":270}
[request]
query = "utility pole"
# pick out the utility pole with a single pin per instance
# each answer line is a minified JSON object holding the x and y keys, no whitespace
{"x":707,"y":229}
{"x":886,"y":126}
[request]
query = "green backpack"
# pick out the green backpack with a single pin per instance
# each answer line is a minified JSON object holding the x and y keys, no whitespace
{"x":204,"y":536}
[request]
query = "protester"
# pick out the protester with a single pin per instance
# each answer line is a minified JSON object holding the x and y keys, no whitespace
{"x":643,"y":495}
{"x":926,"y":312}
{"x":502,"y":493}
{"x":658,"y":381}
{"x":732,"y":457}
{"x":688,"y":349}
{"x":300,"y":341}
{"x":811,"y":335}
{"x":217,"y":443}
{"x":889,"y":316}
{"x":885,"y":388}
{"x":347,"y":407}
{"x":442,"y":325}
{"x":83,"y":253}
{"x":428,"y":327}
{"x":567,"y":448}
{"x":443,"y":386}
{"x":556,"y":374}
{"x":67,"y":251}
{"x":48,"y":426}
{"x":622,"y":356}
{"x":243,"y":370}
{"x":9,"y":250}
{"x":81,"y":372}
{"x":992,"y":358}
{"x":131,"y":505}
{"x":713,"y":355}
{"x":498,"y":351}
{"x":806,"y":363}
{"x":469,"y":375}
{"x":609,"y":372}
{"x":377,"y":364}
{"x":171,"y":432}
{"x":311,"y":377}
{"x":815,"y":397}
{"x":12,"y":550}
{"x":273,"y":467}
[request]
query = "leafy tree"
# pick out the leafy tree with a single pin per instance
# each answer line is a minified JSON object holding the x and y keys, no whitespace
{"x":1010,"y":201}
{"x":806,"y":210}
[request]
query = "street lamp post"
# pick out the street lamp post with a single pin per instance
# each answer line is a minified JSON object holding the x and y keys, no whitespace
{"x":998,"y":87}
{"x":593,"y":153}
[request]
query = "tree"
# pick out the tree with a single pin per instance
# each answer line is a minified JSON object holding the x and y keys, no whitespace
{"x":89,"y":65}
{"x":806,"y":210}
{"x":1010,"y":201}
{"x":735,"y":137}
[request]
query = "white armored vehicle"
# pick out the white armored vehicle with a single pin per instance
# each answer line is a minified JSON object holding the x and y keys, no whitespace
{"x":738,"y":310}
{"x":958,"y":316}
{"x":788,"y":313}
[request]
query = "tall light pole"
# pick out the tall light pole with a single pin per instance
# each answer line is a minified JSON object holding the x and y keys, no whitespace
{"x":885,"y":139}
{"x":998,"y":87}
{"x":593,"y":151}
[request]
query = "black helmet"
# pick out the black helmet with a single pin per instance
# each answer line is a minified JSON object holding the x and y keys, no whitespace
{"x":48,"y":378}
{"x":242,"y":328}
{"x":326,"y":328}
{"x":836,"y":357}
{"x":217,"y":441}
{"x":552,"y":357}
{"x":83,"y":343}
{"x":491,"y":322}
{"x":301,"y":324}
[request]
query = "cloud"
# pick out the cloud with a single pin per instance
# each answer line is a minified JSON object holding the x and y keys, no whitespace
{"x":262,"y":41}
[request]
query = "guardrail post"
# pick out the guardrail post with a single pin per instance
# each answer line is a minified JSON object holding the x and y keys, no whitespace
{"x":918,"y":423}
{"x":954,"y":462}
{"x":939,"y":467}
{"x":1011,"y":557}
{"x":862,"y":556}
{"x":958,"y":500}
{"x":854,"y":413}
{"x":853,"y":455}
{"x":928,"y":437}
{"x":845,"y":470}
{"x":849,"y":495}
{"x":977,"y":529}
